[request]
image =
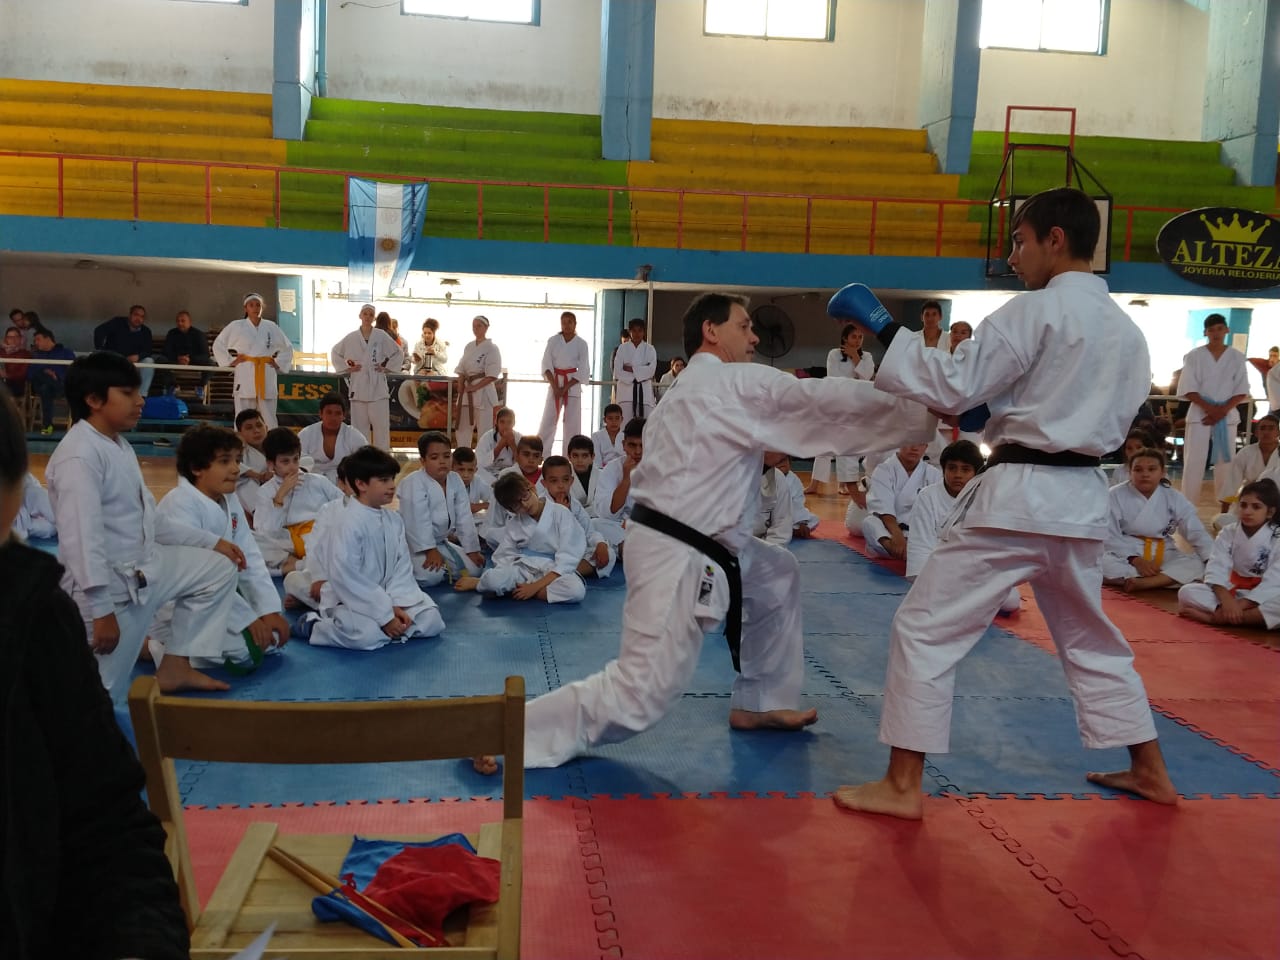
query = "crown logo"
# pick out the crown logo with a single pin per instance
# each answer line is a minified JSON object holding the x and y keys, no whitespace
{"x":1235,"y":232}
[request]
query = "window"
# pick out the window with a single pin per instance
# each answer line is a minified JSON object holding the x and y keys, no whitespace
{"x":771,"y":19}
{"x":1064,"y":26}
{"x":501,"y":11}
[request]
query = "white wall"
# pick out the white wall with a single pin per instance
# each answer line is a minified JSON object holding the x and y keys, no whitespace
{"x":377,"y":54}
{"x":1150,"y":84}
{"x":161,"y":43}
{"x":869,"y":75}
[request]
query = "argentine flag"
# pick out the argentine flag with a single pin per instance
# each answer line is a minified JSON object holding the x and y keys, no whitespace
{"x":384,"y":224}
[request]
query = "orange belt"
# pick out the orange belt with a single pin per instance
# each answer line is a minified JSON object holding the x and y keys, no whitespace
{"x":1241,"y":582}
{"x":1153,"y":550}
{"x":296,"y":532}
{"x":259,"y":374}
{"x":561,"y":375}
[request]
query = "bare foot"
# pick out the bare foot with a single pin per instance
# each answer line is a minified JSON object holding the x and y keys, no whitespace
{"x":1195,"y":613}
{"x":291,"y":602}
{"x":485,"y":765}
{"x":881,"y":796}
{"x":772,"y":719}
{"x":1158,"y":789}
{"x":290,"y":564}
{"x":465,"y":582}
{"x":176,"y":674}
{"x":811,"y":489}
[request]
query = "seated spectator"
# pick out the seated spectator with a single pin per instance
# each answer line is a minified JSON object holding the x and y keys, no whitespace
{"x":27,"y":322}
{"x":774,"y":514}
{"x":496,"y":448}
{"x":254,"y":469}
{"x":668,"y":379}
{"x":188,"y":346}
{"x":131,"y":338}
{"x":48,"y":380}
{"x":581,"y":453}
{"x":436,"y":511}
{"x":613,"y":490}
{"x":15,"y":374}
{"x":35,"y":515}
{"x":529,"y":465}
{"x":804,"y":521}
{"x":890,"y":497}
{"x":330,"y":439}
{"x":558,"y":480}
{"x":1135,"y":441}
{"x":479,"y":491}
{"x":1254,"y":462}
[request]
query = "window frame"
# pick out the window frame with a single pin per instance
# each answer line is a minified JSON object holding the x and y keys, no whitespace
{"x":534,"y":21}
{"x":223,"y":3}
{"x":1104,"y":32}
{"x":829,"y":38}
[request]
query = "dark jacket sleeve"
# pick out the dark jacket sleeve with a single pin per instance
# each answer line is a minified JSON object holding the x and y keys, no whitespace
{"x":116,"y":893}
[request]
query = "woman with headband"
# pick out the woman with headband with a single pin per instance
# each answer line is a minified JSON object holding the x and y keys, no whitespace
{"x":477,"y":371}
{"x":256,"y":350}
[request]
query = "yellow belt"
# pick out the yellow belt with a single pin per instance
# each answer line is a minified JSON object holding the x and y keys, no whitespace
{"x":1153,"y":550}
{"x":259,"y":375}
{"x":296,"y":532}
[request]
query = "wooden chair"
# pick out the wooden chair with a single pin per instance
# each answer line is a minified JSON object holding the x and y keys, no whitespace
{"x":254,"y":890}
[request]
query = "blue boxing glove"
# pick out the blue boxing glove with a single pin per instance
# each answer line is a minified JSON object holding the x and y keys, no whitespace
{"x":973,"y":421}
{"x":856,"y":302}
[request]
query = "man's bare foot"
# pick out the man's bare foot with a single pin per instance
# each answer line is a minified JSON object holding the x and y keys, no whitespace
{"x":881,"y":796}
{"x":465,"y":583}
{"x":176,"y":674}
{"x":772,"y":719}
{"x":1158,"y":790}
{"x":484,"y":764}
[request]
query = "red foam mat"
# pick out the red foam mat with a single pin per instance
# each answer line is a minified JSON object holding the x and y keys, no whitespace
{"x":1196,"y":881}
{"x":1251,"y":727}
{"x":565,"y":914}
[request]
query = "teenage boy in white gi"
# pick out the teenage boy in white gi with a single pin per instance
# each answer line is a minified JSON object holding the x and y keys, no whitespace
{"x":330,"y":439}
{"x":566,"y":365}
{"x":288,"y":503}
{"x":613,"y":501}
{"x":1215,"y":378}
{"x":634,"y":367}
{"x":1062,"y":370}
{"x":257,"y":350}
{"x":894,"y":486}
{"x":364,"y":356}
{"x":116,"y":571}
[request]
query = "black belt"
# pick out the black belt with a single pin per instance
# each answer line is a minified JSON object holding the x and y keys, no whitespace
{"x":722,"y":558}
{"x":637,"y":400}
{"x":1017,"y":453}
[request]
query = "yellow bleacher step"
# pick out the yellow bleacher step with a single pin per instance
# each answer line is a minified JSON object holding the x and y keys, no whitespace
{"x":119,"y":206}
{"x":852,"y":183}
{"x":101,"y":117}
{"x":113,"y":95}
{"x":789,"y":158}
{"x":721,"y":131}
{"x":120,"y":143}
{"x":115,"y":172}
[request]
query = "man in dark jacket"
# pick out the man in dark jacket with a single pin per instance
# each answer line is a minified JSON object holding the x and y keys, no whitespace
{"x":130,"y":337}
{"x":188,"y":346}
{"x":47,"y":379}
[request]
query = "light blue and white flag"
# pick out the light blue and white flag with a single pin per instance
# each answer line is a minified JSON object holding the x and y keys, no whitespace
{"x":384,"y":224}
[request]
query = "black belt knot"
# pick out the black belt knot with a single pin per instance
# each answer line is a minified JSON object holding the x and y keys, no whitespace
{"x":1017,"y":453}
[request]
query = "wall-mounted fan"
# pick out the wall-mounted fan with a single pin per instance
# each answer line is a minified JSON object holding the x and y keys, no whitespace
{"x":775,"y":329}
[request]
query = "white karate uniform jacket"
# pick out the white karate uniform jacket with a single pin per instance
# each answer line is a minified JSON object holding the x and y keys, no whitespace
{"x":271,"y":523}
{"x":593,"y":538}
{"x":1138,"y":523}
{"x":774,"y":517}
{"x":531,"y":548}
{"x":348,"y":441}
{"x":586,"y":496}
{"x":483,"y":359}
{"x":609,"y":523}
{"x":607,"y":450}
{"x":800,"y":512}
{"x":489,"y":466}
{"x":246,"y":488}
{"x":35,"y":515}
{"x":1235,"y":551}
{"x":376,"y":356}
{"x":264,"y":340}
{"x":1217,"y":379}
{"x":315,"y":565}
{"x":644,"y":365}
{"x":893,"y":491}
{"x":431,"y":513}
{"x":573,"y":357}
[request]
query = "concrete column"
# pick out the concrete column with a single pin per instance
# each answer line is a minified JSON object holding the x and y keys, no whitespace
{"x":1242,"y":86}
{"x":949,"y":79}
{"x":294,"y":68}
{"x":626,"y":77}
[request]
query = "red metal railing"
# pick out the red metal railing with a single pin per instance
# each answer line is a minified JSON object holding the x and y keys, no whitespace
{"x":875,"y":207}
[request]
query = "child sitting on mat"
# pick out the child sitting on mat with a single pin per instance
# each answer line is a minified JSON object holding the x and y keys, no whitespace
{"x":304,"y":583}
{"x":613,"y":490}
{"x":435,"y":507}
{"x":288,"y":503}
{"x":558,"y":478}
{"x":528,"y":465}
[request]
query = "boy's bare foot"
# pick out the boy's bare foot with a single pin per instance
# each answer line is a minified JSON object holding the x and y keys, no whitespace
{"x":290,"y":564}
{"x":1195,"y":613}
{"x":1146,"y":777}
{"x":881,"y":796}
{"x":772,"y":719}
{"x":176,"y":674}
{"x":291,"y":602}
{"x":465,"y":583}
{"x":485,"y":764}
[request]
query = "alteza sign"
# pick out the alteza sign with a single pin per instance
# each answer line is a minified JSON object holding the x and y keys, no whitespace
{"x":1223,"y":247}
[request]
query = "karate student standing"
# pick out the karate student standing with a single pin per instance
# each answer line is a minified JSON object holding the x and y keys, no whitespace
{"x":566,"y":365}
{"x":477,"y":372}
{"x":364,"y":356}
{"x":257,"y":350}
{"x":118,"y":572}
{"x":1215,"y":378}
{"x":1062,"y":369}
{"x":634,"y":367}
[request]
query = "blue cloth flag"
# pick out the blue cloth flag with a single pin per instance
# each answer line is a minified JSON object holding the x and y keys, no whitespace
{"x":383,"y":227}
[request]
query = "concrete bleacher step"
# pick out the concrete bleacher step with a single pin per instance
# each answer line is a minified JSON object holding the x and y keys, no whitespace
{"x":124,"y":96}
{"x":678,"y":155}
{"x":177,"y":146}
{"x":718,"y":132}
{"x":79,"y":116}
{"x":456,"y":118}
{"x":753,"y":179}
{"x":519,"y":142}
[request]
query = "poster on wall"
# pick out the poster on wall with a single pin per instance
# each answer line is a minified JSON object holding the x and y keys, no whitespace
{"x":1223,"y":247}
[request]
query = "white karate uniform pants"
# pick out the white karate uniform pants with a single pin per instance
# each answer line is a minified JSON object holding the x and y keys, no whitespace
{"x":661,"y":640}
{"x":627,"y":403}
{"x":265,"y":407}
{"x":1183,"y":567}
{"x":572,"y":420}
{"x":853,"y":517}
{"x":846,"y":468}
{"x":297,"y":584}
{"x":500,"y":581}
{"x":456,"y":563}
{"x":602,"y":573}
{"x":946,"y":613}
{"x":613,"y":531}
{"x":353,"y":631}
{"x":1195,"y":456}
{"x":201,"y":583}
{"x":276,"y":546}
{"x":873,"y":529}
{"x":373,"y":419}
{"x":483,"y":422}
{"x":1200,"y":596}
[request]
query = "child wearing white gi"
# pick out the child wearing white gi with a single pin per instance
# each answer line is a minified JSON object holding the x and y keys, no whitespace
{"x":608,"y":439}
{"x":613,"y":490}
{"x":203,"y":511}
{"x":364,"y":356}
{"x":804,"y":521}
{"x":479,"y":491}
{"x":303,"y":584}
{"x":1242,"y":579}
{"x":288,"y":503}
{"x":370,"y":598}
{"x":435,"y":507}
{"x":846,"y":360}
{"x":893,"y":490}
{"x":35,"y":514}
{"x":1255,"y":461}
{"x":961,"y":462}
{"x":529,"y":465}
{"x":331,"y":438}
{"x":774,"y":520}
{"x":1141,"y":553}
{"x":116,"y":571}
{"x":635,"y":364}
{"x":1135,"y":441}
{"x":496,"y":448}
{"x":557,"y":480}
{"x":254,"y":470}
{"x":582,"y":455}
{"x":540,"y":549}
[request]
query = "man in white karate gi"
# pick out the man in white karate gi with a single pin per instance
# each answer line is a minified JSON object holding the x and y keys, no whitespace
{"x":634,"y":365}
{"x":1062,"y":370}
{"x":566,"y":365}
{"x":690,"y":536}
{"x":1215,"y":378}
{"x":364,"y":356}
{"x":257,"y":350}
